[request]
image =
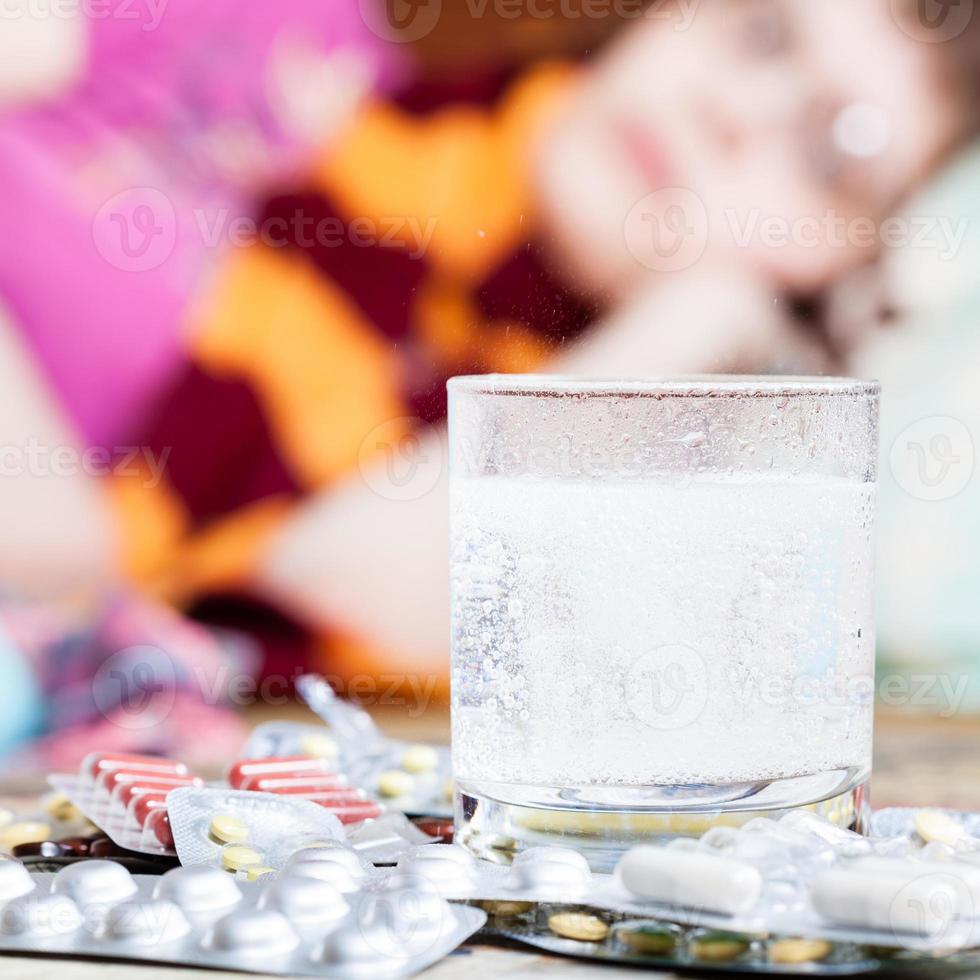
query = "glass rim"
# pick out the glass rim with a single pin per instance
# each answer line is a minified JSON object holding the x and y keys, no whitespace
{"x":659,"y":386}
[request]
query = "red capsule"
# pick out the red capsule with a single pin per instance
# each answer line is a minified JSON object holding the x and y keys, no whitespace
{"x":99,"y":762}
{"x":145,"y":805}
{"x":351,"y":812}
{"x":126,"y":792}
{"x":294,"y":785}
{"x":161,"y":829}
{"x":288,"y":766}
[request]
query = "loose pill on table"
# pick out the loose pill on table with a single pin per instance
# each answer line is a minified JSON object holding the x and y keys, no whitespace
{"x":579,"y":926}
{"x":226,"y":828}
{"x":718,"y":947}
{"x":319,"y":746}
{"x":394,"y":782}
{"x":690,"y":879}
{"x":934,"y":825}
{"x":23,"y":832}
{"x":238,"y":857}
{"x":420,"y":758}
{"x":798,"y":951}
{"x":650,"y":939}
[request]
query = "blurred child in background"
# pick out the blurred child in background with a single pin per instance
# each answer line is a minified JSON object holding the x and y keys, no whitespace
{"x":507,"y":221}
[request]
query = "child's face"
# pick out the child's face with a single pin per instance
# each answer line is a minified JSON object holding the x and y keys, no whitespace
{"x":748,"y":109}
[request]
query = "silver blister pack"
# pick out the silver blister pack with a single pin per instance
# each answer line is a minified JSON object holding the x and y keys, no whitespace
{"x":800,"y":876}
{"x":208,"y":823}
{"x":290,"y":924}
{"x":413,"y":778}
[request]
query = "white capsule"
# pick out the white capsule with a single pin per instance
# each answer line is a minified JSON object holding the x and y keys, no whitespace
{"x":261,"y":932}
{"x":199,"y":888}
{"x":146,"y":923}
{"x":95,"y":881}
{"x":305,"y":899}
{"x":43,"y":916}
{"x":691,"y":879}
{"x":967,"y":874}
{"x":918,"y":900}
{"x":15,"y":880}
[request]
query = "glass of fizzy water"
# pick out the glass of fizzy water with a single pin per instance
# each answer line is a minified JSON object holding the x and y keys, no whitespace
{"x":662,"y":605}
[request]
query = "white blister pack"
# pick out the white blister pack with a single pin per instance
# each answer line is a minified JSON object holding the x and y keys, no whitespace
{"x":236,"y":829}
{"x":801,"y":875}
{"x":413,"y":778}
{"x":289,"y":924}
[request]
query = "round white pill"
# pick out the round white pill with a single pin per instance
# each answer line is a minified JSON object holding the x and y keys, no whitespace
{"x":95,"y":881}
{"x":146,"y":923}
{"x":15,"y":880}
{"x":305,"y":899}
{"x":42,"y":916}
{"x":551,"y":876}
{"x":199,"y":888}
{"x":261,"y":932}
{"x":691,"y":879}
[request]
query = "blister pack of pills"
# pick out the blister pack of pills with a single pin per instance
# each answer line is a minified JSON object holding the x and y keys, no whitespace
{"x":956,"y":829}
{"x":800,"y":875}
{"x":415,"y":778}
{"x":289,"y":924}
{"x":239,"y":829}
{"x":608,"y":937}
{"x":125,"y":796}
{"x":310,"y":777}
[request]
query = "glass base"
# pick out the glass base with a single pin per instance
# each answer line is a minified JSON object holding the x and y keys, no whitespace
{"x":498,"y":820}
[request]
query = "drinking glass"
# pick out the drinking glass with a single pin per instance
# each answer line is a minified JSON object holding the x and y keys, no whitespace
{"x":662,"y":605}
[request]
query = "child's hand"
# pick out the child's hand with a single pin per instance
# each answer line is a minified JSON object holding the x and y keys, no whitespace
{"x":704,"y":320}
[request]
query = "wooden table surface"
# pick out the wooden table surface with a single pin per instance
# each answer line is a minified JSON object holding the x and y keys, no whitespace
{"x":919,"y":760}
